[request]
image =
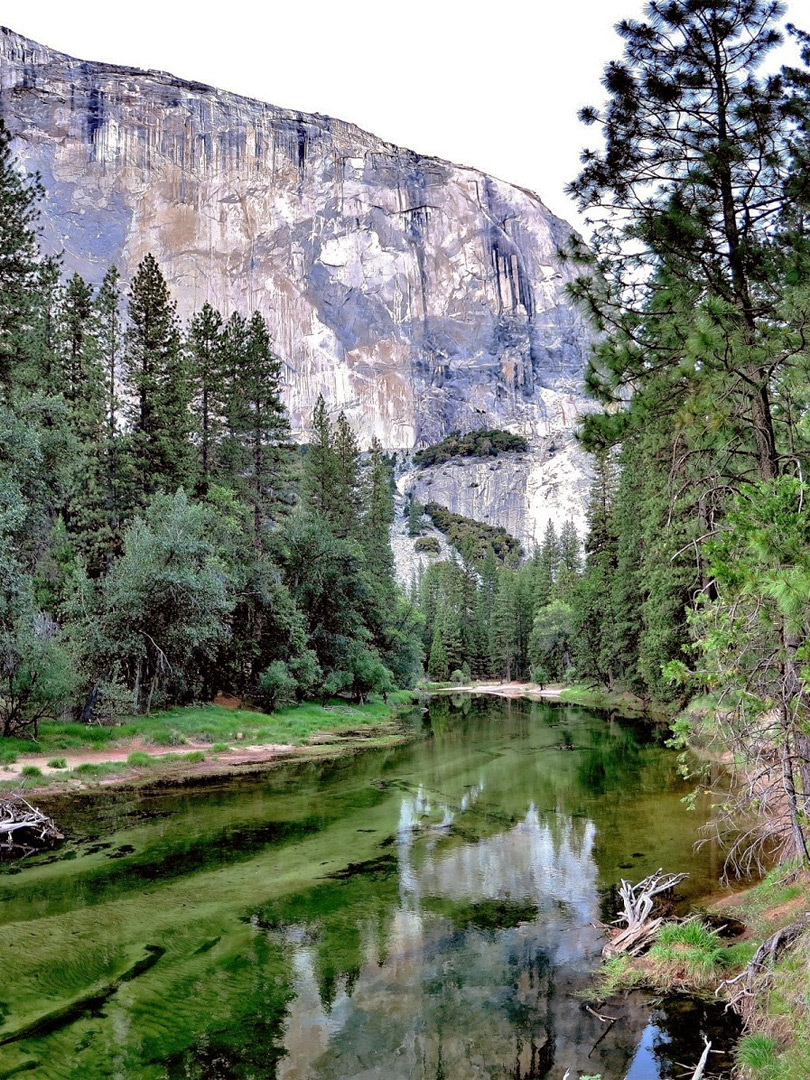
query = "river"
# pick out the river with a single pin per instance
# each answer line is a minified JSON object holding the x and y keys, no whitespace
{"x":424,"y":912}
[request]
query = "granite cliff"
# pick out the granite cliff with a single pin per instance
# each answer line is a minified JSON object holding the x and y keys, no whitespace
{"x":417,"y":295}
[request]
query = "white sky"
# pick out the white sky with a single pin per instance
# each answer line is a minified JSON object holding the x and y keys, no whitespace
{"x":493,"y":85}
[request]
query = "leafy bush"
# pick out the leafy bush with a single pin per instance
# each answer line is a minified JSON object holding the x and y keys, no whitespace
{"x":428,"y":545}
{"x":485,"y":442}
{"x":277,"y":686}
{"x":540,"y":676}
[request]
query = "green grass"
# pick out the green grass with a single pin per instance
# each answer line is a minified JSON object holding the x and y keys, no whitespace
{"x":57,"y":763}
{"x":209,"y":724}
{"x":220,"y":748}
{"x":31,"y":770}
{"x":757,"y":1053}
{"x":90,"y":770}
{"x":615,"y":975}
{"x":140,"y":759}
{"x":685,"y":955}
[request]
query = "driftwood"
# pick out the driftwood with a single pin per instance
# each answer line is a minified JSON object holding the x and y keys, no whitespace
{"x":704,"y":1057}
{"x":638,"y":905}
{"x":19,"y":821}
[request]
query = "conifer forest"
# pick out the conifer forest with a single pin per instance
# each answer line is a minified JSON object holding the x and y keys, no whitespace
{"x":338,"y":721}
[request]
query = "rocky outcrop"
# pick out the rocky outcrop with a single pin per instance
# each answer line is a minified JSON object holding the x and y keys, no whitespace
{"x":520,"y":492}
{"x":417,"y":295}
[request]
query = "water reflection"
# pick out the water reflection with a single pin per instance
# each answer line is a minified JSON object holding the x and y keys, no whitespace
{"x":478,"y":960}
{"x":423,"y":913}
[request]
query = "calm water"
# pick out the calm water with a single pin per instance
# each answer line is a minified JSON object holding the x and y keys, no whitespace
{"x":423,"y":913}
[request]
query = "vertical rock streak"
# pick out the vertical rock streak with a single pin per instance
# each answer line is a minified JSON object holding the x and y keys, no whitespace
{"x":417,"y":295}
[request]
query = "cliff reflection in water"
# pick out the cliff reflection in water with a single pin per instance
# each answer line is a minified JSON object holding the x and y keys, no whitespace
{"x":472,"y":974}
{"x":422,"y":912}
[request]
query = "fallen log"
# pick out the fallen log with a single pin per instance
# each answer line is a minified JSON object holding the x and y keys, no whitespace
{"x":20,"y":821}
{"x":638,"y":905}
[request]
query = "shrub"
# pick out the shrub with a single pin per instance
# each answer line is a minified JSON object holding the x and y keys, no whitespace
{"x":31,"y":770}
{"x":484,"y":442}
{"x":540,"y":676}
{"x":57,"y":763}
{"x":277,"y":686}
{"x":473,"y":539}
{"x":428,"y":545}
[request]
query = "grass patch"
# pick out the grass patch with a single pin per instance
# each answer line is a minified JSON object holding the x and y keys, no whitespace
{"x":57,"y":763}
{"x":220,"y":748}
{"x":688,"y":954}
{"x":140,"y":759}
{"x":92,"y":770}
{"x":685,"y":956}
{"x":758,"y":1053}
{"x":30,"y":770}
{"x":209,"y":724}
{"x":619,"y":973}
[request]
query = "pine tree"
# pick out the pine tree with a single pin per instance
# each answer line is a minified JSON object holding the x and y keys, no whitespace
{"x":19,"y":259}
{"x":690,"y":191}
{"x":503,"y":629}
{"x":438,"y":664}
{"x":378,"y":518}
{"x":157,"y":379}
{"x":206,"y":353}
{"x":321,"y":465}
{"x":81,"y":377}
{"x":109,"y":336}
{"x":259,"y":451}
{"x":416,"y":513}
{"x":347,"y":503}
{"x":570,"y":562}
{"x":546,"y":562}
{"x":594,"y":618}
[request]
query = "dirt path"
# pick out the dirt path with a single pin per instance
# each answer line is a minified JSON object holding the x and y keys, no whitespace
{"x":241,"y":755}
{"x":506,"y":689}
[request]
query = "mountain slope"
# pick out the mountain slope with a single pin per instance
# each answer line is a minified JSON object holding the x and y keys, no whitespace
{"x":417,"y":295}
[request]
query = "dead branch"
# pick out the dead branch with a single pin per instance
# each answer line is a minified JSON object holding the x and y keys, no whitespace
{"x":701,"y":1065}
{"x":599,"y":1016}
{"x":16,"y":814}
{"x":757,"y":975}
{"x":638,"y":905}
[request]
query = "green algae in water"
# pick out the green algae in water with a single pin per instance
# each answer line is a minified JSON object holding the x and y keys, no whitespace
{"x":414,"y":912}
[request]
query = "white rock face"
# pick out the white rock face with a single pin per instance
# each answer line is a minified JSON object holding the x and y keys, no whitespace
{"x":417,"y":295}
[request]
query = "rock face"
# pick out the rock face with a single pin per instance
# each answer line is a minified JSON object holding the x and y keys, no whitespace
{"x":417,"y":295}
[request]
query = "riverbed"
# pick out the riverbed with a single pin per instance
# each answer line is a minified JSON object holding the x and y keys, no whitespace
{"x":423,"y":912}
